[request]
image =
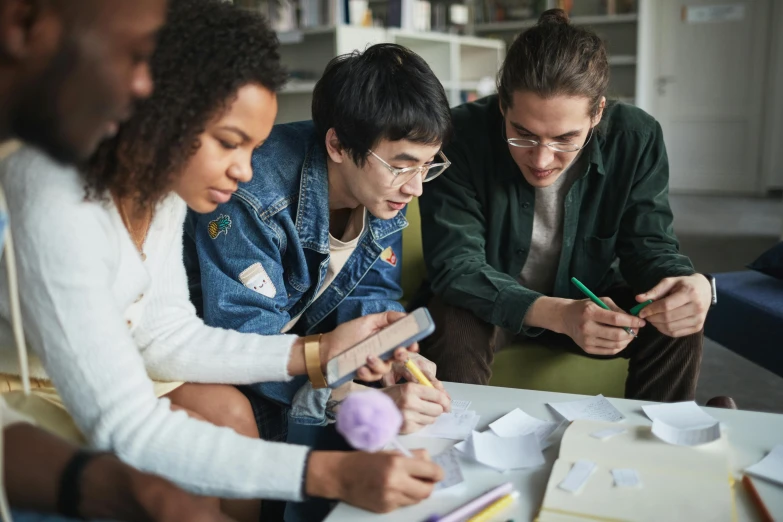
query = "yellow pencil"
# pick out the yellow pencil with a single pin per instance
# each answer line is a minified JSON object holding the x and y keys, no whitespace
{"x":495,"y":508}
{"x":411,"y":366}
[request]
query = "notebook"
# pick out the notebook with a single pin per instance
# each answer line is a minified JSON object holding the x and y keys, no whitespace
{"x":675,"y":483}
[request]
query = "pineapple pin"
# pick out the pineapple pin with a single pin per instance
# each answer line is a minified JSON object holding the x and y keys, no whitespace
{"x":221,"y":224}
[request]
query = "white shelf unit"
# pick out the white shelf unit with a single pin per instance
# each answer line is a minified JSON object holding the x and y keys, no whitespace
{"x":619,"y":31}
{"x":459,"y":62}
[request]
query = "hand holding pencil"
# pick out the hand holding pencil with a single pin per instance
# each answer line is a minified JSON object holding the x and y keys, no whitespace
{"x":422,"y":399}
{"x":403,"y":370}
{"x":598,"y":326}
{"x":590,"y":295}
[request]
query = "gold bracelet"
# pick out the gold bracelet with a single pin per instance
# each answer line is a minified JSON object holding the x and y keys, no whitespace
{"x":312,"y":352}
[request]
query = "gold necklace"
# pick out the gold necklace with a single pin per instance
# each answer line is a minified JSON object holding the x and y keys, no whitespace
{"x":137,"y":235}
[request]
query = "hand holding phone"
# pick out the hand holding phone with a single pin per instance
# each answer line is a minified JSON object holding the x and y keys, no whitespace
{"x":404,"y":332}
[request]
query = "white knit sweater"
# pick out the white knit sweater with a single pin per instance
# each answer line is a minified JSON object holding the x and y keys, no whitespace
{"x":103,"y":323}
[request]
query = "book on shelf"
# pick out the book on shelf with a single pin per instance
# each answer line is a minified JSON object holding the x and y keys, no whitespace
{"x":412,"y":15}
{"x":491,"y":11}
{"x":289,"y":15}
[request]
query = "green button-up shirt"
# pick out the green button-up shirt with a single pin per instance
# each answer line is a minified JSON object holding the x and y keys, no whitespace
{"x":477,"y":218}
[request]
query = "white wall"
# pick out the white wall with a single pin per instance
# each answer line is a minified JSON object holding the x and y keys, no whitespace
{"x":772,"y":147}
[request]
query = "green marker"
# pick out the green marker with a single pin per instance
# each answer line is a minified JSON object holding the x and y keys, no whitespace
{"x":595,"y":299}
{"x":638,"y":308}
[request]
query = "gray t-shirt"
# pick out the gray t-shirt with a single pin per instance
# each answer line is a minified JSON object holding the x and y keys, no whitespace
{"x":540,"y":267}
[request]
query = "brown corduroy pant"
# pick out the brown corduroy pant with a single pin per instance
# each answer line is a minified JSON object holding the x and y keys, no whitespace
{"x":660,"y":368}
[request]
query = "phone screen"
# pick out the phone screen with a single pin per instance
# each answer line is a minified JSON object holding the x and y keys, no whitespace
{"x":387,"y":339}
{"x":412,"y":328}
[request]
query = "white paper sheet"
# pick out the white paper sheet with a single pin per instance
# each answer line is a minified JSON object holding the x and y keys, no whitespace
{"x":679,"y":414}
{"x":770,"y":467}
{"x":682,"y":423}
{"x":607,"y":433}
{"x":456,"y":426}
{"x":452,"y":473}
{"x":518,"y":452}
{"x":577,"y":476}
{"x":685,"y":436}
{"x":517,"y":422}
{"x":592,"y":408}
{"x":626,"y":478}
{"x":502,"y":453}
{"x":458,"y":406}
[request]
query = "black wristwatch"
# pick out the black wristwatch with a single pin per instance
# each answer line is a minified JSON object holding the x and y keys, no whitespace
{"x":713,"y":289}
{"x":70,"y":494}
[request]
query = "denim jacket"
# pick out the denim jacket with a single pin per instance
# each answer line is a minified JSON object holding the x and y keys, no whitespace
{"x":263,"y":256}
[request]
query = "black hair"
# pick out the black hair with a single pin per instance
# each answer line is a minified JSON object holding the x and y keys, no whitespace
{"x":206,"y":52}
{"x":386,"y":92}
{"x":555,"y":58}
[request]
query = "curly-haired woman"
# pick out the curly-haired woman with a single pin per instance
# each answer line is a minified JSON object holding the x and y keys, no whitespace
{"x":105,"y":294}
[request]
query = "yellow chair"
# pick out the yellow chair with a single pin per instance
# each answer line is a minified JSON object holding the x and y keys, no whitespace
{"x":529,"y":365}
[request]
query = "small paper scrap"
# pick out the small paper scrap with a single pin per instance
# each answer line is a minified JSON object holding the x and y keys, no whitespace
{"x":770,"y":467}
{"x":607,"y":433}
{"x":452,"y":473}
{"x":682,"y":423}
{"x":592,"y":408}
{"x":626,"y":478}
{"x":456,"y":426}
{"x":503,"y":453}
{"x":517,"y":422}
{"x":458,"y":406}
{"x":577,"y":476}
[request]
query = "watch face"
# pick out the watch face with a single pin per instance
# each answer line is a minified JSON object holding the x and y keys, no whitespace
{"x":713,"y":288}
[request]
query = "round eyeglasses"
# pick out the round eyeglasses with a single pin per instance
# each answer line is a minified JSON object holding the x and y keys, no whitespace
{"x":428,"y":171}
{"x":555,"y":146}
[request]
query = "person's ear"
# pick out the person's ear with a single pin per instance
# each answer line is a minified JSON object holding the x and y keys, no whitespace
{"x":334,"y":148}
{"x":30,"y":30}
{"x":600,"y":113}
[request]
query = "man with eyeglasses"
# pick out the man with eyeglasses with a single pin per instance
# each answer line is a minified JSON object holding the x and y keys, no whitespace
{"x":314,"y":240}
{"x":550,"y":182}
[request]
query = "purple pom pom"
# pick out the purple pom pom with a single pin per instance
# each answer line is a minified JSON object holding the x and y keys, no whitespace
{"x":368,"y":420}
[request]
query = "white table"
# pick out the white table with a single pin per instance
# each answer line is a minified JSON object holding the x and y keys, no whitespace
{"x":751,"y":436}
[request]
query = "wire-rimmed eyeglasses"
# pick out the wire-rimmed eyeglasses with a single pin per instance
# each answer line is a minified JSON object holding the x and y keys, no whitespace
{"x":428,"y":171}
{"x":555,"y":146}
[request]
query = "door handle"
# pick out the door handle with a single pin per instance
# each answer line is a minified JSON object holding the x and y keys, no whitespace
{"x":661,"y":82}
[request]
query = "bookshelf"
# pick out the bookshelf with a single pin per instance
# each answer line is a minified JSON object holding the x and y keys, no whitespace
{"x":591,"y":20}
{"x":461,"y":63}
{"x":619,"y":31}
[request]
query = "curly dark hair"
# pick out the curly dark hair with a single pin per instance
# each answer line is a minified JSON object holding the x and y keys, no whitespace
{"x":207,"y":51}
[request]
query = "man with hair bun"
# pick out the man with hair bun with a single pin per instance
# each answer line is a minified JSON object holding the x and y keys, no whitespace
{"x":548,"y":182}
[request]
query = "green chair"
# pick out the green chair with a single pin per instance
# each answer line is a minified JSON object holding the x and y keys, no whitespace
{"x":529,"y":365}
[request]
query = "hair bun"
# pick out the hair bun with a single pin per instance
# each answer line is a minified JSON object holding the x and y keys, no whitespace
{"x":554,"y":17}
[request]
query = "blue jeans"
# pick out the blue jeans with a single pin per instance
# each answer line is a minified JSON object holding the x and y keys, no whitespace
{"x":306,"y":405}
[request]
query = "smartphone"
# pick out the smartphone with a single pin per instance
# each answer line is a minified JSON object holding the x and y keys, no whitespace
{"x":412,"y":328}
